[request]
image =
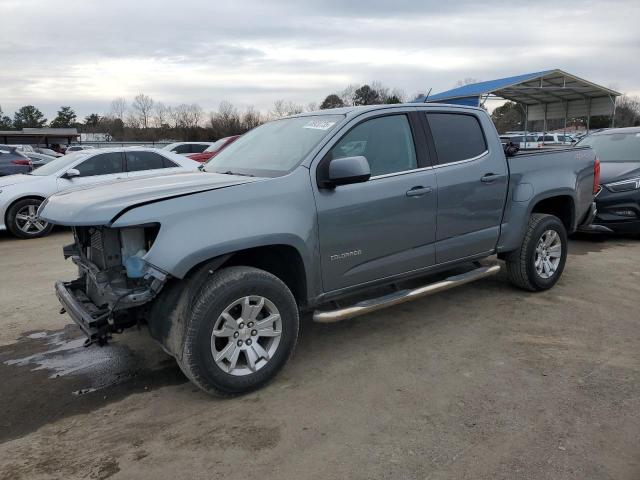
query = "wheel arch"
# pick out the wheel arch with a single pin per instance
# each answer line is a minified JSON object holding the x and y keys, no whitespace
{"x":280,"y":259}
{"x":561,"y":206}
{"x":167,"y":317}
{"x":18,"y":199}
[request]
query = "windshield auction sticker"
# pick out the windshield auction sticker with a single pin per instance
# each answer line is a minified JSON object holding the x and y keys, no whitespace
{"x":319,"y":125}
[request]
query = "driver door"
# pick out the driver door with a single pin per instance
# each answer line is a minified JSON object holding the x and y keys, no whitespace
{"x":386,"y":225}
{"x":99,"y":168}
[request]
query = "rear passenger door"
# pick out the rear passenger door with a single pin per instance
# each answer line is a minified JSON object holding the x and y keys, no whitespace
{"x":472,"y":185}
{"x":141,"y":163}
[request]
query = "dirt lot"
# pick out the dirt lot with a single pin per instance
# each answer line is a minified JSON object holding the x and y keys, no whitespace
{"x":483,"y":382}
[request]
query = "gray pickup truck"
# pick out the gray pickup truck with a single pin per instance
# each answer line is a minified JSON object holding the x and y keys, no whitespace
{"x":329,"y":212}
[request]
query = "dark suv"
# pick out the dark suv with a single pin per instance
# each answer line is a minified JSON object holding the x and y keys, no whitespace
{"x":618,"y":201}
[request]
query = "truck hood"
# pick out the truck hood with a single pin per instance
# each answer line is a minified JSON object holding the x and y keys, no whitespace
{"x":99,"y":205}
{"x":614,"y":171}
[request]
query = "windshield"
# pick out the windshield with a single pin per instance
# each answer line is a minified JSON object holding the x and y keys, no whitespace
{"x":215,"y":146}
{"x":274,"y":148}
{"x":58,"y":164}
{"x":616,"y":147}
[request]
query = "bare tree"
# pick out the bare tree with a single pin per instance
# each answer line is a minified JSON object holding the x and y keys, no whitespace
{"x":142,"y":107}
{"x":627,"y":111}
{"x":226,"y":121}
{"x":160,"y":114}
{"x":251,"y":119}
{"x":282,"y":108}
{"x":348,"y":94}
{"x":131,"y":120}
{"x":118,"y":108}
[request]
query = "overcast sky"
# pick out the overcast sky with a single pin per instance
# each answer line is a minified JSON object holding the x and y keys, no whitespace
{"x":84,"y":53}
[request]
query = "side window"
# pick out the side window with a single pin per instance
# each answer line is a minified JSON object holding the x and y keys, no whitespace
{"x":168,"y":163}
{"x":101,"y":164}
{"x":184,"y":148}
{"x":549,"y":138}
{"x":456,"y":136}
{"x":197,"y":148}
{"x":386,"y":142}
{"x":137,"y":161}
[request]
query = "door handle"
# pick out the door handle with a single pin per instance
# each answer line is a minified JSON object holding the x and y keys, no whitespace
{"x":418,"y":191}
{"x":490,"y":177}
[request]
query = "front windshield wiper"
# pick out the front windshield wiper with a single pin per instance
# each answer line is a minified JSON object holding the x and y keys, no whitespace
{"x":229,"y":172}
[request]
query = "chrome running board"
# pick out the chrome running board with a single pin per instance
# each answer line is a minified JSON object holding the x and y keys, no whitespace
{"x":395,"y":298}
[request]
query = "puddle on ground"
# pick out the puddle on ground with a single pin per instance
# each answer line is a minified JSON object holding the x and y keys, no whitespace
{"x":50,"y":375}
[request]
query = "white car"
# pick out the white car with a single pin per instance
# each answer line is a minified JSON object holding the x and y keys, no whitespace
{"x":77,"y":148}
{"x":21,"y":195}
{"x":23,"y":148}
{"x":555,"y":139}
{"x":185,"y":148}
{"x":529,"y":143}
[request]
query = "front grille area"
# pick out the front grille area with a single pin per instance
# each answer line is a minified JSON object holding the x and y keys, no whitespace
{"x":102,"y":247}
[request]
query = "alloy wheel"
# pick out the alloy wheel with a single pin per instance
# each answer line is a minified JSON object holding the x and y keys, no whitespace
{"x":548,"y":254}
{"x":246,"y":335}
{"x":28,"y":222}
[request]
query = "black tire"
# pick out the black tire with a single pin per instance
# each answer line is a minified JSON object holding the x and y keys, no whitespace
{"x":521,"y":263}
{"x":222,"y":289}
{"x":12,"y":220}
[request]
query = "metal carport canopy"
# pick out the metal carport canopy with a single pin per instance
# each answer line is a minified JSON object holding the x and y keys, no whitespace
{"x":544,"y":95}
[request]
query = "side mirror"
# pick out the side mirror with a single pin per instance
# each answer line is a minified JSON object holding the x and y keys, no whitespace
{"x":71,"y":173}
{"x":347,"y":170}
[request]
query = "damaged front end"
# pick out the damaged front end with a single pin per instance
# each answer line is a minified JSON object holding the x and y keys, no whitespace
{"x":115,"y":284}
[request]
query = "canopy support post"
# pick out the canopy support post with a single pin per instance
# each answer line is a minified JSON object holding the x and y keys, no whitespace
{"x":566,"y":114}
{"x":613,"y":115}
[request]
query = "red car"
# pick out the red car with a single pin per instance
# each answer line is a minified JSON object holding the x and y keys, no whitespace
{"x":214,"y":149}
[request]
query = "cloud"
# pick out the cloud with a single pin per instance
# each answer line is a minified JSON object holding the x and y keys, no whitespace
{"x":86,"y":52}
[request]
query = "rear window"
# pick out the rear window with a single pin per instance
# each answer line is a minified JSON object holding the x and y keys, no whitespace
{"x":617,"y":147}
{"x":137,"y":161}
{"x":456,"y":136}
{"x":198,"y":148}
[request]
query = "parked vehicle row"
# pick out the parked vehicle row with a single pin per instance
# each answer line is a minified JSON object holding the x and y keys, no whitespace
{"x":13,"y":161}
{"x":21,"y":195}
{"x":303,"y":213}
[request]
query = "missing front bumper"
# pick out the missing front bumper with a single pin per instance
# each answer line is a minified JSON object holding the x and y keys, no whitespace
{"x":93,"y":321}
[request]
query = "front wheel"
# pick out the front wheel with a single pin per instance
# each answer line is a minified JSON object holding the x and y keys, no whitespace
{"x":538,"y":263}
{"x":23,"y":222}
{"x":241,"y":331}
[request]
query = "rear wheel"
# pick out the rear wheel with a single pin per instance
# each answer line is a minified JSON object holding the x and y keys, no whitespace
{"x":241,"y":331}
{"x":538,"y":264}
{"x":23,"y":222}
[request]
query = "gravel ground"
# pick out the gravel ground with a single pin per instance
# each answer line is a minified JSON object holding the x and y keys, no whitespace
{"x":481,"y":382}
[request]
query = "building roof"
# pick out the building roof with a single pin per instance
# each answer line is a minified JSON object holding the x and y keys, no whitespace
{"x":37,"y":136}
{"x":548,"y":86}
{"x":547,"y":94}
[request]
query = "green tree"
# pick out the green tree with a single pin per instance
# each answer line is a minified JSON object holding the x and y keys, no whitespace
{"x":508,"y":117}
{"x":365,"y":95}
{"x":5,"y":122}
{"x":332,"y":101}
{"x":92,"y":120}
{"x":392,"y":99}
{"x":28,"y":117}
{"x":65,"y":119}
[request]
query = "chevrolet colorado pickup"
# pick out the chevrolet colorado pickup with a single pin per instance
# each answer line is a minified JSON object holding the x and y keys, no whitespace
{"x":326,"y":212}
